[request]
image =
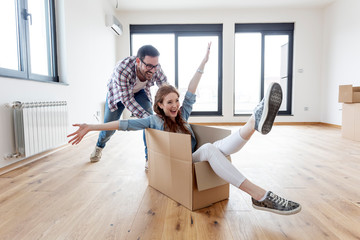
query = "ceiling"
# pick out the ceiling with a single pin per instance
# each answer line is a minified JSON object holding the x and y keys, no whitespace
{"x":144,"y":5}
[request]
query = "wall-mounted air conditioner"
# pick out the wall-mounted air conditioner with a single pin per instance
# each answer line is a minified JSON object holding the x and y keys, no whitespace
{"x":113,"y":23}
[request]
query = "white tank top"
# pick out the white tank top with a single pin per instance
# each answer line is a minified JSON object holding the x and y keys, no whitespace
{"x":139,"y":85}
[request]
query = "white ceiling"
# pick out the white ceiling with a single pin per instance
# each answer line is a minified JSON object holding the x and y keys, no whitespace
{"x":141,"y":5}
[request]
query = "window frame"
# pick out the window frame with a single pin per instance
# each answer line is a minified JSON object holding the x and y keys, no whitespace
{"x":180,"y":30}
{"x":23,"y":45}
{"x":271,"y":29}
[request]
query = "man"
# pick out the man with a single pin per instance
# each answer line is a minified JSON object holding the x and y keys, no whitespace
{"x":129,"y":86}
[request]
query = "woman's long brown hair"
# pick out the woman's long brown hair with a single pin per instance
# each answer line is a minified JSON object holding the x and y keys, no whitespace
{"x":169,"y":125}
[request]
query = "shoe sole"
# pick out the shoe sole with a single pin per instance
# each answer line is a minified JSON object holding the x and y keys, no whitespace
{"x":272,"y":105}
{"x":94,"y":160}
{"x":294,"y":211}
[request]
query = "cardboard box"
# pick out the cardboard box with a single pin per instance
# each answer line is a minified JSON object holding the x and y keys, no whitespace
{"x":349,"y":94}
{"x":350,"y":127}
{"x":172,"y":172}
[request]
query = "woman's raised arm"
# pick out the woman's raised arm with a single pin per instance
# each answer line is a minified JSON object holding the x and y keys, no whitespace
{"x":197,"y":76}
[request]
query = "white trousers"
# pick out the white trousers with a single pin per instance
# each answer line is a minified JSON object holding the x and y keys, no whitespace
{"x":215,"y":153}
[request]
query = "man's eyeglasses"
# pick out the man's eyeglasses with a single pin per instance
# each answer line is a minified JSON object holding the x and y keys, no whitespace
{"x":150,"y":66}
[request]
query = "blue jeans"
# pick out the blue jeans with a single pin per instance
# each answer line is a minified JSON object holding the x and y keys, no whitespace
{"x":109,"y":116}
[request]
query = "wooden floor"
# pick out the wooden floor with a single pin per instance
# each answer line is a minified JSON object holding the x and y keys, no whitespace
{"x":63,"y":196}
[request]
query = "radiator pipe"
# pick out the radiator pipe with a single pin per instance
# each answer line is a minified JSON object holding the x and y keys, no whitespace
{"x":20,"y":105}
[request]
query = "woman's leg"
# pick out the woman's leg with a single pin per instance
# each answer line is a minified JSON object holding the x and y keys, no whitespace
{"x":219,"y":163}
{"x":261,"y":199}
{"x":261,"y":120}
{"x":234,"y":142}
{"x":253,"y":190}
{"x":226,"y":170}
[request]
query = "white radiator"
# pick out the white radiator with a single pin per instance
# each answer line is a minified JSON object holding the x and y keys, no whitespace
{"x":39,"y":126}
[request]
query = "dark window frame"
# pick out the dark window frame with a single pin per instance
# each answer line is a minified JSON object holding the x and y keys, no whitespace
{"x":273,"y":29}
{"x":188,"y":30}
{"x":23,"y":45}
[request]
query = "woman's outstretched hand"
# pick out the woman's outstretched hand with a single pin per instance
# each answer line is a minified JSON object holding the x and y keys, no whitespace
{"x":206,"y":58}
{"x":79,"y":134}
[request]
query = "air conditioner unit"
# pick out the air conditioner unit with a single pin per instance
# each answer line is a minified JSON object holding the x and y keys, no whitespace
{"x":113,"y":23}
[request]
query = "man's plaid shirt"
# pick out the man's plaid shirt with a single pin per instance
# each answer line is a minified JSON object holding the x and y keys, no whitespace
{"x":122,"y":82}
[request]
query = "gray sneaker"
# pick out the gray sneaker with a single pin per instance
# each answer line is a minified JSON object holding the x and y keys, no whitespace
{"x":96,"y":154}
{"x":274,"y":203}
{"x":265,"y":112}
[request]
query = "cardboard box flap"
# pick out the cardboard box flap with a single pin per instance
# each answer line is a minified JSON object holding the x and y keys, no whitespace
{"x":206,"y":178}
{"x":173,"y":144}
{"x":170,"y":164}
{"x":356,"y":94}
{"x":356,"y":89}
{"x":345,"y":93}
{"x":206,"y":134}
{"x":349,"y":94}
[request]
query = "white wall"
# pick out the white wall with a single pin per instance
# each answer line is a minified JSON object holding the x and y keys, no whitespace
{"x":341,"y":56}
{"x":87,"y":54}
{"x":307,"y":52}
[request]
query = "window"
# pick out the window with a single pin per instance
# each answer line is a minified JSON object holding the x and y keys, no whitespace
{"x":27,"y":43}
{"x":182,"y":47}
{"x":263,"y":54}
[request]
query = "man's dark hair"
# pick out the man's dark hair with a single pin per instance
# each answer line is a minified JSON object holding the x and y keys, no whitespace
{"x":147,"y":50}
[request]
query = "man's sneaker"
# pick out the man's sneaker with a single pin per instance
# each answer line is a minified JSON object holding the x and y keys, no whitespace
{"x":265,"y":112}
{"x":274,"y":203}
{"x":96,"y":154}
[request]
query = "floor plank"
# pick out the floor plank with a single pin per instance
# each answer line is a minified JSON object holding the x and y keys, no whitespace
{"x":63,"y":196}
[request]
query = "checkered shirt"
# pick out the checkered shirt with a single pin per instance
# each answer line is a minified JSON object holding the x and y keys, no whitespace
{"x":122,"y":82}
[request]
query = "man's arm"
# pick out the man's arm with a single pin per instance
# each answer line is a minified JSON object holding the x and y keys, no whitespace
{"x":161,"y":78}
{"x":133,"y":106}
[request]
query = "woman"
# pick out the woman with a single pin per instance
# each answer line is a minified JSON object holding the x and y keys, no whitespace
{"x":173,"y":118}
